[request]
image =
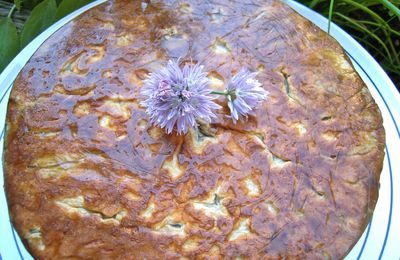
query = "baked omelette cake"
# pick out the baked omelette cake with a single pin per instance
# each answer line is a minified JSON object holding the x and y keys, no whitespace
{"x":88,"y":177}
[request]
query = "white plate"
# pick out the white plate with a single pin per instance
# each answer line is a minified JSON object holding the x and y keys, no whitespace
{"x":380,"y":239}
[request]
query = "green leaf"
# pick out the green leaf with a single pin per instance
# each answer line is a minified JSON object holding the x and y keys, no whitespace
{"x":18,"y":4}
{"x":30,"y":4}
{"x":68,"y":6}
{"x":9,"y":42}
{"x":42,"y":16}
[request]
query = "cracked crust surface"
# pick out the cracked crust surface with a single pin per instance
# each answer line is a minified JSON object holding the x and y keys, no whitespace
{"x":87,"y":177}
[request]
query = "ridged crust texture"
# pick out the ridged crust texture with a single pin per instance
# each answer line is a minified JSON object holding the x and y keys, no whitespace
{"x":87,"y":176}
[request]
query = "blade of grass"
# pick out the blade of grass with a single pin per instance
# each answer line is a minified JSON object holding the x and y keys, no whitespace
{"x":388,"y":30}
{"x":330,"y":15}
{"x":365,"y":30}
{"x":371,"y":46}
{"x":344,"y":7}
{"x":389,"y":67}
{"x":315,"y":3}
{"x":391,"y":45}
{"x":374,"y":23}
{"x":391,"y":7}
{"x":378,"y":25}
{"x":367,"y":10}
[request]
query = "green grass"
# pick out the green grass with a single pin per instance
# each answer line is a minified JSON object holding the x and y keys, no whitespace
{"x":373,"y":23}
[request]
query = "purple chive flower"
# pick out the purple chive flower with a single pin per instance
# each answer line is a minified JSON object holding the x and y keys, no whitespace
{"x":175,"y":96}
{"x":244,"y":93}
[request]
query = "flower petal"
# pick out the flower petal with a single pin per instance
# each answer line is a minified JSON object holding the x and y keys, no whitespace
{"x":245,"y":92}
{"x":175,"y":96}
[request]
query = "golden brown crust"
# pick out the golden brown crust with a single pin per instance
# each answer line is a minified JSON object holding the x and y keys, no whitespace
{"x":87,"y":177}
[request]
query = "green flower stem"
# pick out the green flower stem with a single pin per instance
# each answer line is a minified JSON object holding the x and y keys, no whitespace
{"x":219,"y":93}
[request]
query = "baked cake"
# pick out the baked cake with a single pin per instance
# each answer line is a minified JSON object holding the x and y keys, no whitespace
{"x":88,"y":177}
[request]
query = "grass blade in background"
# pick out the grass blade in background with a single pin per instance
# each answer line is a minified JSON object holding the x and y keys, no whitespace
{"x":330,"y":15}
{"x":358,"y":26}
{"x":374,"y":23}
{"x":391,"y":7}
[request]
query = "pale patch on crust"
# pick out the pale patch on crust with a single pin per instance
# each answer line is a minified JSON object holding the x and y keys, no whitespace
{"x":365,"y":143}
{"x":117,"y":108}
{"x":172,"y":166}
{"x":170,"y":226}
{"x":71,"y":66}
{"x":220,"y":46}
{"x":66,"y":160}
{"x":124,"y":39}
{"x":242,"y":230}
{"x":213,"y":206}
{"x":34,"y":237}
{"x":272,"y":208}
{"x":330,"y":136}
{"x":216,"y":80}
{"x":138,"y":76}
{"x":197,"y":143}
{"x":99,"y":53}
{"x":191,"y":245}
{"x":147,"y":213}
{"x":82,"y":109}
{"x":105,"y":121}
{"x":75,"y":206}
{"x":252,"y":187}
{"x":300,"y":128}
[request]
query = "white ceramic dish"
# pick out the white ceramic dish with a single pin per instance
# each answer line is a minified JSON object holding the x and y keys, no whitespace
{"x":380,"y":239}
